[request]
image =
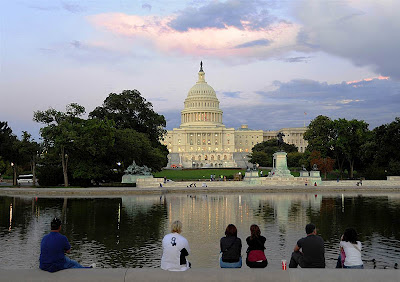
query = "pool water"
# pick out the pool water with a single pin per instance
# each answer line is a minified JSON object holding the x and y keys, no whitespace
{"x":126,"y":232}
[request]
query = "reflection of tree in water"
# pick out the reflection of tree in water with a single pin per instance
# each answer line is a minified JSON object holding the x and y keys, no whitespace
{"x":24,"y":209}
{"x":265,"y":211}
{"x":123,"y":236}
{"x":368,"y":215}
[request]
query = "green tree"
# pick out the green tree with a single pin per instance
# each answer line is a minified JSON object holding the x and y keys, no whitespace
{"x":262,"y":153}
{"x":129,"y":110}
{"x":29,"y":151}
{"x":350,"y":136}
{"x":94,"y":140}
{"x":381,"y":156}
{"x":60,"y":131}
{"x":319,"y":135}
{"x":139,"y":129}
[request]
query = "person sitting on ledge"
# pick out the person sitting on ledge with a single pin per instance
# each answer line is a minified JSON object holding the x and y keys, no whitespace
{"x":52,"y":249}
{"x":312,"y":253}
{"x":351,"y":249}
{"x":255,"y":252}
{"x":231,"y":248}
{"x":175,"y":250}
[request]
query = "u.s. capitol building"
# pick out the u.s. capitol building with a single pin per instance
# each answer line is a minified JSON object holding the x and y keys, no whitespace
{"x":202,"y":140}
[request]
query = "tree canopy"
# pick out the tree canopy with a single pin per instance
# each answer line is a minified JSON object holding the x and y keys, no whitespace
{"x":262,"y":153}
{"x":129,"y":110}
{"x":124,"y":129}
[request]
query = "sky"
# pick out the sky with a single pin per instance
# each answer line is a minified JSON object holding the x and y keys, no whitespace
{"x":273,"y":64}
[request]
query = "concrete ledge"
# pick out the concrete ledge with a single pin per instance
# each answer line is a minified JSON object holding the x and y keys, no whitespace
{"x":110,"y":192}
{"x":244,"y":274}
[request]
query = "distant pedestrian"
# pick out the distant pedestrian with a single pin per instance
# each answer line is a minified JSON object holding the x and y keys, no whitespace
{"x":165,"y":179}
{"x":261,"y":173}
{"x":52,"y":249}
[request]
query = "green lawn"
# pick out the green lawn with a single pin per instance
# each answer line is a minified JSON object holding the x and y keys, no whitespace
{"x":196,"y":174}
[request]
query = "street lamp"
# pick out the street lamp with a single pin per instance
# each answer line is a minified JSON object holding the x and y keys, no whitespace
{"x":14,"y":178}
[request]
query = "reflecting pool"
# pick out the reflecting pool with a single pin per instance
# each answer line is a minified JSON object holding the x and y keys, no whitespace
{"x":127,"y":231}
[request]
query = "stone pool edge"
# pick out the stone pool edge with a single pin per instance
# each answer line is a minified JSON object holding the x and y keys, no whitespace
{"x":170,"y":188}
{"x":202,"y":274}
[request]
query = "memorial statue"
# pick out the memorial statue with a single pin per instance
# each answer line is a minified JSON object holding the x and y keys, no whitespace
{"x":315,"y":167}
{"x":280,"y":139}
{"x":134,"y":169}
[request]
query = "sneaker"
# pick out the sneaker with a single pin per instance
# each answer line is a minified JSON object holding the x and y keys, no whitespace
{"x":93,"y":265}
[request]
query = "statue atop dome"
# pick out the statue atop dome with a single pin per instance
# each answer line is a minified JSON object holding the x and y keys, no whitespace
{"x":201,"y":66}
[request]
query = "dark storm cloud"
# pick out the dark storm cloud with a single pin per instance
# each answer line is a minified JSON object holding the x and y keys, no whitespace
{"x":218,"y":14}
{"x":260,"y":42}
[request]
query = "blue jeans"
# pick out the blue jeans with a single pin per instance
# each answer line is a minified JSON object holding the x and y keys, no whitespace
{"x":69,"y":263}
{"x":354,"y":266}
{"x":237,"y":264}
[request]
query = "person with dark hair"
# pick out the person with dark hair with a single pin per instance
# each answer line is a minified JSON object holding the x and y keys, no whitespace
{"x":52,"y":249}
{"x":255,"y":250}
{"x":312,"y":248}
{"x":231,"y":249}
{"x":351,"y":249}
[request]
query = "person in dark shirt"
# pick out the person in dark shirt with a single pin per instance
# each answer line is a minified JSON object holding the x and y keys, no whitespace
{"x":312,"y":248}
{"x":255,"y":251}
{"x":52,"y":249}
{"x":231,"y":248}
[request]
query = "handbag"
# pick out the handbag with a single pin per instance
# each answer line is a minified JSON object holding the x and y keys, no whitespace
{"x":342,"y":256}
{"x":256,"y":255}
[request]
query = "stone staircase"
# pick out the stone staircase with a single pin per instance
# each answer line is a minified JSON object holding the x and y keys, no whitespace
{"x":242,"y":160}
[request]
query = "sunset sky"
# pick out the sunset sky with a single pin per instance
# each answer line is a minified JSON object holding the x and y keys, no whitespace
{"x":270,"y":62}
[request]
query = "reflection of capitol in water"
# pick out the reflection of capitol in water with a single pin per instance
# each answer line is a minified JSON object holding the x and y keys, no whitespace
{"x":205,"y":218}
{"x":127,"y":231}
{"x":213,"y":212}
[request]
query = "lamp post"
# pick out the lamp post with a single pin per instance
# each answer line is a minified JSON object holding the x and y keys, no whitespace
{"x":14,"y":176}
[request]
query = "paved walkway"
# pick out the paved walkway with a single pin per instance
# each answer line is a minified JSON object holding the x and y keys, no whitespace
{"x":218,"y":275}
{"x":213,"y":187}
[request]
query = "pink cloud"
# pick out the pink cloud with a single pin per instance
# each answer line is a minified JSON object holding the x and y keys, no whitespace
{"x":207,"y":41}
{"x":369,"y":79}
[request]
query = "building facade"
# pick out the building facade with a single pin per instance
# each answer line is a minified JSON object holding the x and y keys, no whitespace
{"x":202,"y":140}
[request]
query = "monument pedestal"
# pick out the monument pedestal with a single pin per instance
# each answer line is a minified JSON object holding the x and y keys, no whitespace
{"x":280,"y":166}
{"x":315,"y":173}
{"x":251,"y":177}
{"x":304,"y":173}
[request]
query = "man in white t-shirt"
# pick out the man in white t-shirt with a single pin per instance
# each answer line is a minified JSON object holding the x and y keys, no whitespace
{"x":175,"y":250}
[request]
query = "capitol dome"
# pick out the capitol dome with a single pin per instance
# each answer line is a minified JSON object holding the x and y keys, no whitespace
{"x":201,"y":105}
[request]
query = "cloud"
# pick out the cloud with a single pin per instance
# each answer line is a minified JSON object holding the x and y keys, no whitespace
{"x":365,"y":32}
{"x":72,"y":7}
{"x":234,"y":94}
{"x":259,"y":42}
{"x":356,"y":99}
{"x":155,"y":32}
{"x":146,"y":6}
{"x":300,"y":59}
{"x":231,"y":13}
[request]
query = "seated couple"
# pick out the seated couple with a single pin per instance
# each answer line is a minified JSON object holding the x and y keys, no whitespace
{"x":312,"y":254}
{"x":231,"y":247}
